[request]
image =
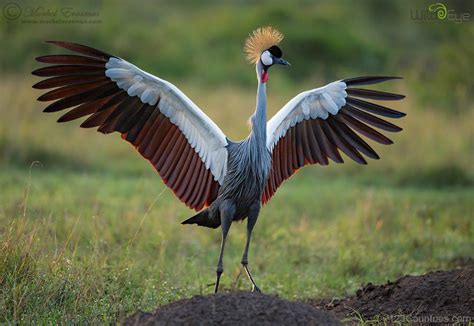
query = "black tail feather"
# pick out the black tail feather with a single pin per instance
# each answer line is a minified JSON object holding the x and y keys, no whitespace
{"x":202,"y":218}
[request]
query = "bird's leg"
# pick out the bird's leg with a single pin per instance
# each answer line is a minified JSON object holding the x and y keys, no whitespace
{"x":227,"y":215}
{"x":252,"y":219}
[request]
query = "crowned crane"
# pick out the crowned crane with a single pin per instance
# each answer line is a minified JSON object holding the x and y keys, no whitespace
{"x":223,"y":180}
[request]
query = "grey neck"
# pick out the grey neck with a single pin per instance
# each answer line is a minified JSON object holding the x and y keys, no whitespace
{"x":259,"y":118}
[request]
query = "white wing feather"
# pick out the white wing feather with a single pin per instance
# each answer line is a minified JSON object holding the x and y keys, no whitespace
{"x":312,"y":104}
{"x":204,"y":136}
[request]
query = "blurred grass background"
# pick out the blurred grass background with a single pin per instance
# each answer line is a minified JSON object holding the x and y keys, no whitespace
{"x":89,"y":233}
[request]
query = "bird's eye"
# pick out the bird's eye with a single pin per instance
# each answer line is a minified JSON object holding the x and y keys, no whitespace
{"x":266,"y":58}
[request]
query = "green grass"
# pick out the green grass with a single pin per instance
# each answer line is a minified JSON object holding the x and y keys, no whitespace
{"x":93,"y":246}
{"x":90,"y":234}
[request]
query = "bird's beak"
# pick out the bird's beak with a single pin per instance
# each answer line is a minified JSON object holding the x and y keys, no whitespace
{"x":281,"y":61}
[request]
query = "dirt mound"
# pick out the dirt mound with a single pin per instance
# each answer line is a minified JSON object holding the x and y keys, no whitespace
{"x":442,"y":297}
{"x":436,"y":297}
{"x":237,"y":308}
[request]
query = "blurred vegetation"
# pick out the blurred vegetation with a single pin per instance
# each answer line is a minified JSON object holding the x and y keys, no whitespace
{"x":92,"y":247}
{"x":325,"y":40}
{"x":89,"y":233}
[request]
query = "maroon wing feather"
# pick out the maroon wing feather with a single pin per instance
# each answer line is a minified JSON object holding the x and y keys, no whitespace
{"x":79,"y":84}
{"x":315,"y":141}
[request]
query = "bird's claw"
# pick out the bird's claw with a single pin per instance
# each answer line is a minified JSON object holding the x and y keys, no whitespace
{"x":256,"y":289}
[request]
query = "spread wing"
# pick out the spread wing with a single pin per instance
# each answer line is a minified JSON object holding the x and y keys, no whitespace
{"x":315,"y":124}
{"x":182,"y":143}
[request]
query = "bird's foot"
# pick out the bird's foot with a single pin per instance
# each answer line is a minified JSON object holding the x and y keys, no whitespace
{"x":255,"y":288}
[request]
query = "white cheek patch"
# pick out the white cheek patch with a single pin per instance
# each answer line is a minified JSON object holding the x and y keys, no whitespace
{"x":266,"y":58}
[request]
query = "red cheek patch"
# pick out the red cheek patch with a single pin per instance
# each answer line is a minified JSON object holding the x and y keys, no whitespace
{"x":264,"y":76}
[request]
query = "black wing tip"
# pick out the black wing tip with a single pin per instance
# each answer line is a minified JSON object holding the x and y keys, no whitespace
{"x":48,"y":110}
{"x":400,"y":97}
{"x":379,"y":77}
{"x":373,"y":155}
{"x":57,"y":42}
{"x":86,"y":125}
{"x":80,"y":48}
{"x":60,"y":43}
{"x":42,"y":98}
{"x":40,"y":58}
{"x":35,"y":73}
{"x":399,"y":114}
{"x":384,"y":78}
{"x":37,"y":85}
{"x":44,"y":58}
{"x":389,"y":77}
{"x":368,"y":80}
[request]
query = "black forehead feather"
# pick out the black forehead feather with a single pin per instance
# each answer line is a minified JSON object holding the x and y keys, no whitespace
{"x":275,"y":51}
